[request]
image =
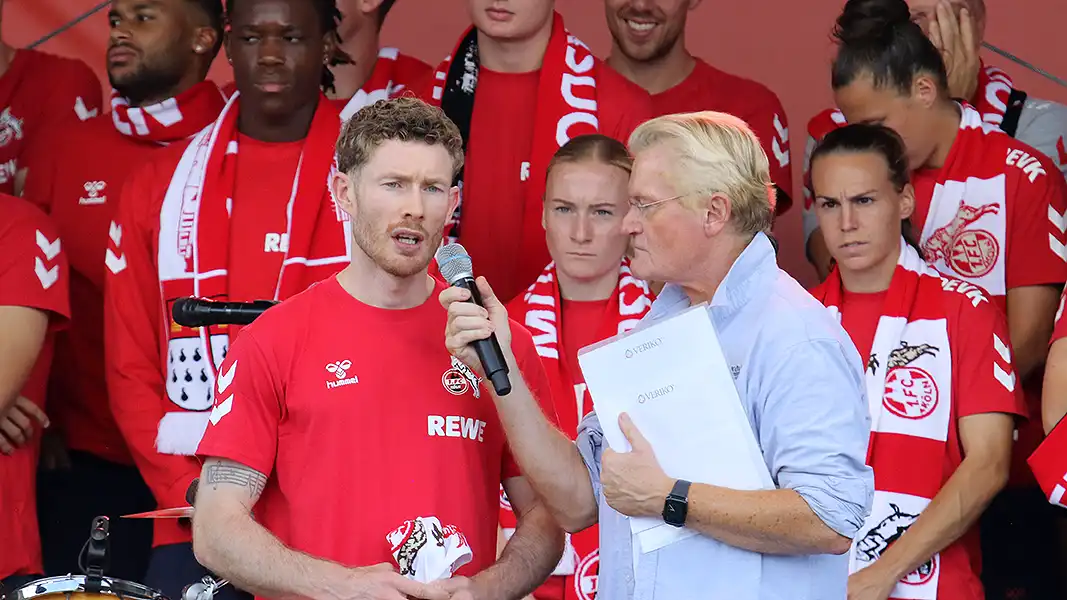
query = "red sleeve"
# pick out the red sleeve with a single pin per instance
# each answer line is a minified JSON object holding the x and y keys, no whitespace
{"x":33,"y":266}
{"x":984,"y":364}
{"x":533,"y":373}
{"x":1036,"y":254}
{"x":1061,"y":324}
{"x":248,"y":406}
{"x":768,"y":121}
{"x":1049,"y":464}
{"x":132,"y":335}
{"x":76,"y":92}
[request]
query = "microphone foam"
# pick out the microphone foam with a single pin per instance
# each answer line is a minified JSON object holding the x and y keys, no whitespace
{"x":454,"y":263}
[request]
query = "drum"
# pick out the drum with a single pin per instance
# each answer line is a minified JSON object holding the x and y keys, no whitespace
{"x":72,"y":587}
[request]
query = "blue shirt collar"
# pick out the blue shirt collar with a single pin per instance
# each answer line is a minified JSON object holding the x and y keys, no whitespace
{"x":736,"y":289}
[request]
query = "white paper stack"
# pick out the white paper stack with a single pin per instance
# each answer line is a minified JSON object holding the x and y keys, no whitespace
{"x":671,"y":377}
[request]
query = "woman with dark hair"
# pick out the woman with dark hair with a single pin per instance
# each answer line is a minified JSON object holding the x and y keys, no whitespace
{"x":941,"y":397}
{"x":991,"y":211}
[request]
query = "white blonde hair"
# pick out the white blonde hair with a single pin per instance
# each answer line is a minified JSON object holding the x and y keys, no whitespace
{"x":715,"y":152}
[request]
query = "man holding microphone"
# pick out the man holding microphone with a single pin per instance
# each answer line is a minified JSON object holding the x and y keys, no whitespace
{"x":345,"y":441}
{"x":700,"y":207}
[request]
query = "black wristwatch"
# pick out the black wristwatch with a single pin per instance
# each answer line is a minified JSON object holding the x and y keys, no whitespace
{"x":676,"y":506}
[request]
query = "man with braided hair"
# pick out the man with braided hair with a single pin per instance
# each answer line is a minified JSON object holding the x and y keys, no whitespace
{"x":240,"y":212}
{"x":359,"y":72}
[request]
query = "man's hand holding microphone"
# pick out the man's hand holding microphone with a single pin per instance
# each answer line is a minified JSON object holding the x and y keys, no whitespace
{"x":478,"y":332}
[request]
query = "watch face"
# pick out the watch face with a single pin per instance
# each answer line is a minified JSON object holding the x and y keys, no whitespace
{"x":674,"y":511}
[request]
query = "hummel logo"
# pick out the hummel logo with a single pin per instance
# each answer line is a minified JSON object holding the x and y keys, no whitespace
{"x":340,"y":368}
{"x":340,"y":371}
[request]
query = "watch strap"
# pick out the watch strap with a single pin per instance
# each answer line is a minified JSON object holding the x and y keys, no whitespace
{"x":681,"y":489}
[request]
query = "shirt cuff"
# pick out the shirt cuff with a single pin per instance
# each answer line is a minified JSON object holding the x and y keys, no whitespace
{"x":590,"y":442}
{"x":842,"y":504}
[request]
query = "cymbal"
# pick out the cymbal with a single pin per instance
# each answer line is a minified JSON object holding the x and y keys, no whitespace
{"x":167,"y":513}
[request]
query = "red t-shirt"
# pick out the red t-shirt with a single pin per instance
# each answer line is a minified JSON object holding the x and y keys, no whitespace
{"x":975,"y":390}
{"x":360,"y":421}
{"x":856,"y":317}
{"x":497,"y":160}
{"x":137,"y":351}
{"x":36,"y":91}
{"x":33,"y":273}
{"x":258,"y":240}
{"x":708,"y":88}
{"x":80,"y":190}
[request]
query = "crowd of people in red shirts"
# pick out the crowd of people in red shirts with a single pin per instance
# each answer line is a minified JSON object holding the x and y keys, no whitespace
{"x":182,"y":186}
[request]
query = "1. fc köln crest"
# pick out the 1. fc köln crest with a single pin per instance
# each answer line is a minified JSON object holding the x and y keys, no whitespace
{"x":969,"y":252}
{"x":910,"y":392}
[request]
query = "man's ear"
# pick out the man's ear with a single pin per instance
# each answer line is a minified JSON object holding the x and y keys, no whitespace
{"x":716,"y":213}
{"x":204,"y":41}
{"x":342,"y":186}
{"x":453,"y":203}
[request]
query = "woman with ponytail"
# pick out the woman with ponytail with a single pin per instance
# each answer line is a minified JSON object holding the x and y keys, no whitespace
{"x":990,"y":210}
{"x":941,"y":397}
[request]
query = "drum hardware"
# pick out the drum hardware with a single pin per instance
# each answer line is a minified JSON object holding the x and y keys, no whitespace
{"x":97,"y":552}
{"x":204,"y":589}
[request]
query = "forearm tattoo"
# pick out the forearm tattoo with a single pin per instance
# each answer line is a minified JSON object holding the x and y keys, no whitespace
{"x":236,"y":475}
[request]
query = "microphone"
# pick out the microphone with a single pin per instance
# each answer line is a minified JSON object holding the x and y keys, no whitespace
{"x":200,"y":312}
{"x":456,"y":267}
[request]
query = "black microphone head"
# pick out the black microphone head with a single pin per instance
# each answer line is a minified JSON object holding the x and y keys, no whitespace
{"x":182,"y":311}
{"x":454,"y":263}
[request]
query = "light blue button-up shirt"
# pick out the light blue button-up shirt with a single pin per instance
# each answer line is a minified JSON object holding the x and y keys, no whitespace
{"x":801,"y":382}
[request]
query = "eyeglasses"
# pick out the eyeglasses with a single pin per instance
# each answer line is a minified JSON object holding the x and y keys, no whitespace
{"x":643,"y":206}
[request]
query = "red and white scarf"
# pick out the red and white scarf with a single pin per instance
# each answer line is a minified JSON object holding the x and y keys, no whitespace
{"x":540,"y":311}
{"x":1049,"y":464}
{"x":380,"y":85}
{"x":566,"y":108}
{"x":193,"y":259}
{"x":966,"y":225}
{"x":909,"y":392}
{"x":171,"y":120}
{"x":992,"y":94}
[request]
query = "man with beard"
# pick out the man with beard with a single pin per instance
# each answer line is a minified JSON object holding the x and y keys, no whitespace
{"x":648,"y":48}
{"x":158,"y":56}
{"x":343,"y":422}
{"x":37,"y":89}
{"x":957,"y":27}
{"x":518,"y":65}
{"x":240,"y":212}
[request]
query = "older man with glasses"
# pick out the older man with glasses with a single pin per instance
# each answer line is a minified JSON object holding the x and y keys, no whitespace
{"x":700,"y":208}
